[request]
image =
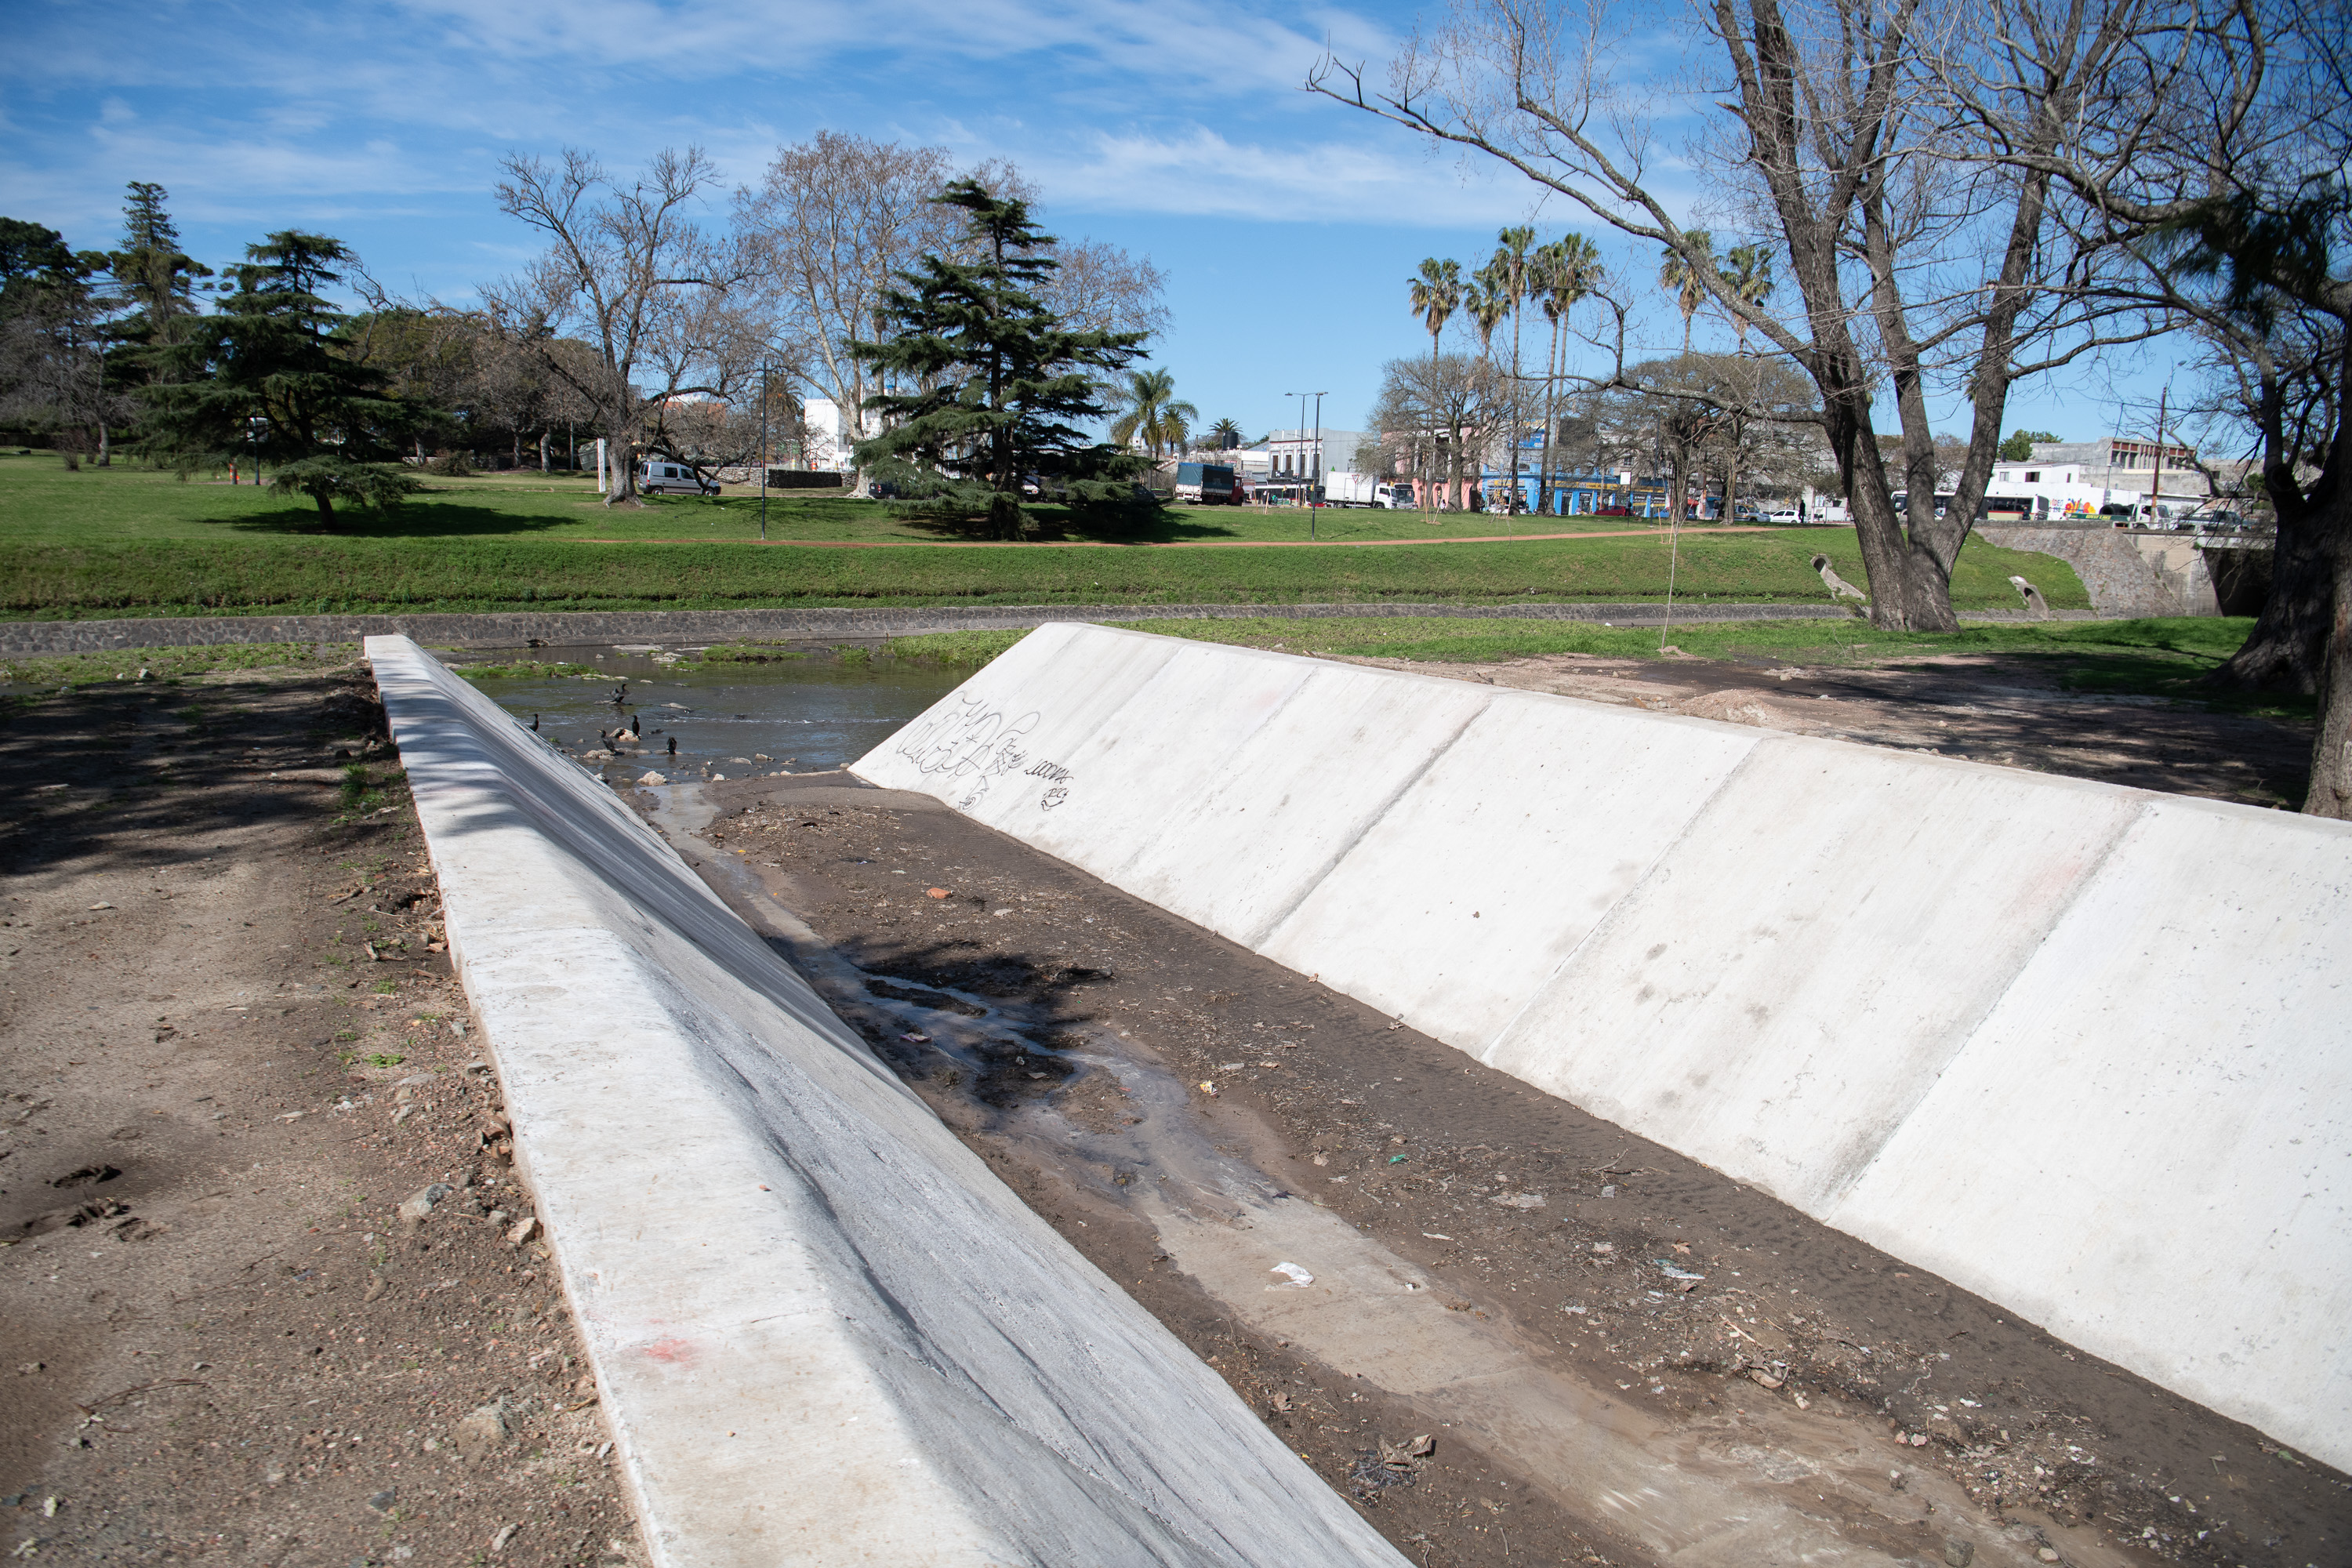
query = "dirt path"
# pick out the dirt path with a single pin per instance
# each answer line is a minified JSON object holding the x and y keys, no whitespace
{"x":1985,"y":708}
{"x":1614,"y":1354}
{"x":223,"y":1345}
{"x":1710,"y":529}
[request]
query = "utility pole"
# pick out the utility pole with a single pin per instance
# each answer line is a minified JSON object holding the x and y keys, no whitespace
{"x":1299,"y":470}
{"x":1315,"y":477}
{"x":2156,"y":479}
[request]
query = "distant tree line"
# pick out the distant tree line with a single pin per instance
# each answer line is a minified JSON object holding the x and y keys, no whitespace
{"x":663,"y":317}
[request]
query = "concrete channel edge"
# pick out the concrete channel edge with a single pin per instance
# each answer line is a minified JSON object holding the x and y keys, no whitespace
{"x":823,"y":1331}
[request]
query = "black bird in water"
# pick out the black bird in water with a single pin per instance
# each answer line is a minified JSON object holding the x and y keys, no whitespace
{"x":673,"y":745}
{"x":534,"y":723}
{"x":621,"y":697}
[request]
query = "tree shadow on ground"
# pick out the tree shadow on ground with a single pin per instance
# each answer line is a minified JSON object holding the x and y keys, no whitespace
{"x":128,"y":775}
{"x":1159,"y":525}
{"x":418,"y":519}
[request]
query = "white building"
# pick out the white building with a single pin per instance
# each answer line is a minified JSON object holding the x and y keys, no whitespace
{"x":2076,"y":479}
{"x":827,"y":450}
{"x":1294,"y":456}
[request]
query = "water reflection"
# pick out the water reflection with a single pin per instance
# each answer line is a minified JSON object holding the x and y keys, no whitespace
{"x":820,"y":710}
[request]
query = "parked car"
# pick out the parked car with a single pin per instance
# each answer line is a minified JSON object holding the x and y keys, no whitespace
{"x":1786,"y":516}
{"x":656,"y":478}
{"x":1613,"y":511}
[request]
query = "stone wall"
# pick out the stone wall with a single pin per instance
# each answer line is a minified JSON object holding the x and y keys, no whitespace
{"x":2127,"y":574}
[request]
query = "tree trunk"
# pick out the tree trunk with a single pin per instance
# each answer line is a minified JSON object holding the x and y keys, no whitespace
{"x":1552,"y":421}
{"x":326,"y":510}
{"x":105,"y":453}
{"x":2288,"y":647}
{"x":542,"y":452}
{"x":621,"y":467}
{"x":2331,"y":750}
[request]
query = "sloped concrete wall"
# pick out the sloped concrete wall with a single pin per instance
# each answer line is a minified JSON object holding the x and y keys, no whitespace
{"x":824,"y":1331}
{"x":2128,"y":573}
{"x":2080,"y":1049}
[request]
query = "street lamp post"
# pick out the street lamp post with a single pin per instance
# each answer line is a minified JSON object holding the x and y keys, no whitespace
{"x":1317,"y":472}
{"x":1309,"y":468}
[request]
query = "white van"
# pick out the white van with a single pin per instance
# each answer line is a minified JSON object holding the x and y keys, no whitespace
{"x":671,"y":479}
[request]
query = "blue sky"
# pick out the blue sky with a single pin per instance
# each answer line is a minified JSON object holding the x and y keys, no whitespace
{"x":1176,"y":129}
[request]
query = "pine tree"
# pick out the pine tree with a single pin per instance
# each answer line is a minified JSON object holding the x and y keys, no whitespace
{"x":157,"y":278}
{"x":268,"y":377}
{"x":993,"y":380}
{"x":153,"y":296}
{"x":52,"y":339}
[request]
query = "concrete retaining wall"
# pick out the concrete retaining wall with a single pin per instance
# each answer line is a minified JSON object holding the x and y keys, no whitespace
{"x":824,"y":1331}
{"x":2079,"y":1048}
{"x":2127,"y":574}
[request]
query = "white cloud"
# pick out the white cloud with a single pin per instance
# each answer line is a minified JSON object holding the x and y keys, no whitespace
{"x":1382,"y":179}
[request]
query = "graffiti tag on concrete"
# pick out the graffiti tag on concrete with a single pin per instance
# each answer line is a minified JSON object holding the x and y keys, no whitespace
{"x":975,"y":742}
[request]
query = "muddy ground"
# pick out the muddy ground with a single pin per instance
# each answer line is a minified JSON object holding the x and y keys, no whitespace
{"x":230,"y":1051}
{"x":2008,"y":711}
{"x":1100,"y":1053}
{"x":223,"y":1345}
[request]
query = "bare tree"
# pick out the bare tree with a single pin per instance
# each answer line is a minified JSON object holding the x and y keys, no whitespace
{"x":53,"y":367}
{"x":629,"y":273}
{"x":1100,"y":288}
{"x":2232,"y":197}
{"x":1438,"y":415}
{"x":836,"y":220}
{"x":833,"y":223}
{"x":1911,"y":260}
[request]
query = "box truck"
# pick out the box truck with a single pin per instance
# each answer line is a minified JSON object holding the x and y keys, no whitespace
{"x":1204,"y":484}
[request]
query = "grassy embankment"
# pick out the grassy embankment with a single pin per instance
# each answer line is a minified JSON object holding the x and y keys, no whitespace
{"x":2159,"y":658}
{"x":129,"y":541}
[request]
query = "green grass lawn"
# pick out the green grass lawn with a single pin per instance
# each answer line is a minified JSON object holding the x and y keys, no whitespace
{"x":131,"y":541}
{"x":2162,"y":657}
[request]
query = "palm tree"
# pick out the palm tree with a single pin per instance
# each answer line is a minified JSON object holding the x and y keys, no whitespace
{"x":1509,"y":268}
{"x":1750,"y":277}
{"x":1436,"y":294}
{"x":1154,"y":412}
{"x":1566,"y":272}
{"x":1750,"y":282}
{"x":1226,"y":435}
{"x":1683,"y":277}
{"x":1488,"y":301}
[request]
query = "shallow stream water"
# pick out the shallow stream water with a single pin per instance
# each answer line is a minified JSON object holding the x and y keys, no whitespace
{"x":812,"y":712}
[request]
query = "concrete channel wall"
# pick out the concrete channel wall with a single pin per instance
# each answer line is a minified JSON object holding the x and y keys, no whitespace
{"x":2127,"y":572}
{"x":2080,"y":1049}
{"x":824,"y":1331}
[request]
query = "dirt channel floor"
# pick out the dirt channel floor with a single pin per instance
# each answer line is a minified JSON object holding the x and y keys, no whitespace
{"x":1604,"y":1318}
{"x":222,"y":1344}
